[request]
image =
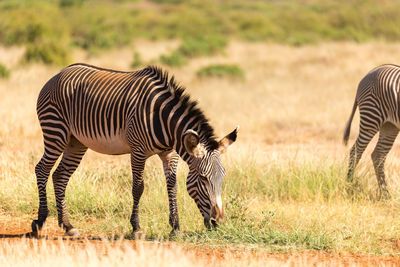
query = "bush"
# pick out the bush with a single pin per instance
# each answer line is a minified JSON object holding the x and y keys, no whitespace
{"x":48,"y":52}
{"x":176,"y":59}
{"x":68,"y":3}
{"x":202,"y":46}
{"x":194,"y":47}
{"x":4,"y":72}
{"x":167,"y":1}
{"x":137,"y":60}
{"x":221,"y":70}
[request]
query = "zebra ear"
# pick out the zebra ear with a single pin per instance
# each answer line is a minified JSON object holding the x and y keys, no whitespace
{"x":228,"y":140}
{"x":191,"y":140}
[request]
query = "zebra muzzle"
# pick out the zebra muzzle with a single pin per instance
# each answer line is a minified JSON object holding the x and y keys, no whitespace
{"x":217,"y":215}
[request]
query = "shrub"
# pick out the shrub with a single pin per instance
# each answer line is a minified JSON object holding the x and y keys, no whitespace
{"x":95,"y":37}
{"x":221,"y":70}
{"x":4,"y":72}
{"x":194,"y":47}
{"x":176,"y":59}
{"x":202,"y":45}
{"x":167,"y":1}
{"x":137,"y":60}
{"x":48,"y":52}
{"x":68,"y":3}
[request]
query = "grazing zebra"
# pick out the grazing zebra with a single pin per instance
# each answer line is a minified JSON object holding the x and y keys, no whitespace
{"x":142,"y":113}
{"x":377,"y":98}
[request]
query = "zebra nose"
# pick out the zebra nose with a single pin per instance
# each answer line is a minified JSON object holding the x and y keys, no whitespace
{"x":221,"y":218}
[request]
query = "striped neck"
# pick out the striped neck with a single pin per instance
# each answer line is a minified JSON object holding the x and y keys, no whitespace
{"x":173,"y":114}
{"x":184,"y":117}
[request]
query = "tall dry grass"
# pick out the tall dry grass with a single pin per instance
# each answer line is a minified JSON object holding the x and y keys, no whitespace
{"x":120,"y":253}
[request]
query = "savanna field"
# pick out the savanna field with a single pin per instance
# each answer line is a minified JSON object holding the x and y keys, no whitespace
{"x":291,"y":90}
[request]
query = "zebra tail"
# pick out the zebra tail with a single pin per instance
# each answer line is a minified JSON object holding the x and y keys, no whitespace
{"x":348,"y":125}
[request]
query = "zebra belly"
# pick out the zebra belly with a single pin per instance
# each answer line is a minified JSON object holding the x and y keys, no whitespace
{"x":113,"y":145}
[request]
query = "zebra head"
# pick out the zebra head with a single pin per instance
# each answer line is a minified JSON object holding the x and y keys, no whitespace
{"x":206,"y":173}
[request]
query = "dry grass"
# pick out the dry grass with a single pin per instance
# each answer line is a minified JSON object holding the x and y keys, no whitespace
{"x":292,"y":108}
{"x":122,"y":253}
{"x":64,"y":253}
{"x":292,"y":95}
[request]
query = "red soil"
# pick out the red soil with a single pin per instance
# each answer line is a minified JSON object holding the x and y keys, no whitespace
{"x":13,"y":230}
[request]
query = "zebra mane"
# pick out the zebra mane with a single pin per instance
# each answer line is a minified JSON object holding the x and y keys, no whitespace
{"x":205,"y":130}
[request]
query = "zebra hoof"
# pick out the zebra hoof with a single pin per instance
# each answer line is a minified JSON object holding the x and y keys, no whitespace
{"x":72,"y":232}
{"x":36,"y":226}
{"x":384,"y":195}
{"x":139,"y":235}
{"x":174,"y":233}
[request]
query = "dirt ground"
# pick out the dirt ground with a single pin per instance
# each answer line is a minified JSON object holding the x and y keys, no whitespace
{"x":13,"y":230}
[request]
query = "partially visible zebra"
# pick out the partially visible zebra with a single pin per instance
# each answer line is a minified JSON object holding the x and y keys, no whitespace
{"x":378,"y":97}
{"x":142,"y":113}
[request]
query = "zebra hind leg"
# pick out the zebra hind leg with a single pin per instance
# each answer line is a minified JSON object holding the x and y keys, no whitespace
{"x":387,"y":136}
{"x":42,"y":171}
{"x":170,"y":165}
{"x":356,"y":152}
{"x":54,"y":144}
{"x":68,"y":164}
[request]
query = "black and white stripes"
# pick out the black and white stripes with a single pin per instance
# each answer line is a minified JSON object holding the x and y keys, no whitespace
{"x":378,"y":101}
{"x":142,"y":113}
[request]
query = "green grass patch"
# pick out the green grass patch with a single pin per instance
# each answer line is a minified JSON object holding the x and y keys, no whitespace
{"x":4,"y":72}
{"x":262,"y":236}
{"x":221,"y":70}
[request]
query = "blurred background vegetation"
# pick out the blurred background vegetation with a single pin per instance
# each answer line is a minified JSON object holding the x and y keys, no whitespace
{"x":50,"y":28}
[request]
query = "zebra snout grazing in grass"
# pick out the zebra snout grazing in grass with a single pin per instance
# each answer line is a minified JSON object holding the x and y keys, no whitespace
{"x":378,"y":101}
{"x":142,"y":113}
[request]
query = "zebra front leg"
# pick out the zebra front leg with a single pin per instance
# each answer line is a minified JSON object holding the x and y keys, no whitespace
{"x":42,"y":171}
{"x":137,"y":163}
{"x":387,"y":136}
{"x":170,"y":165}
